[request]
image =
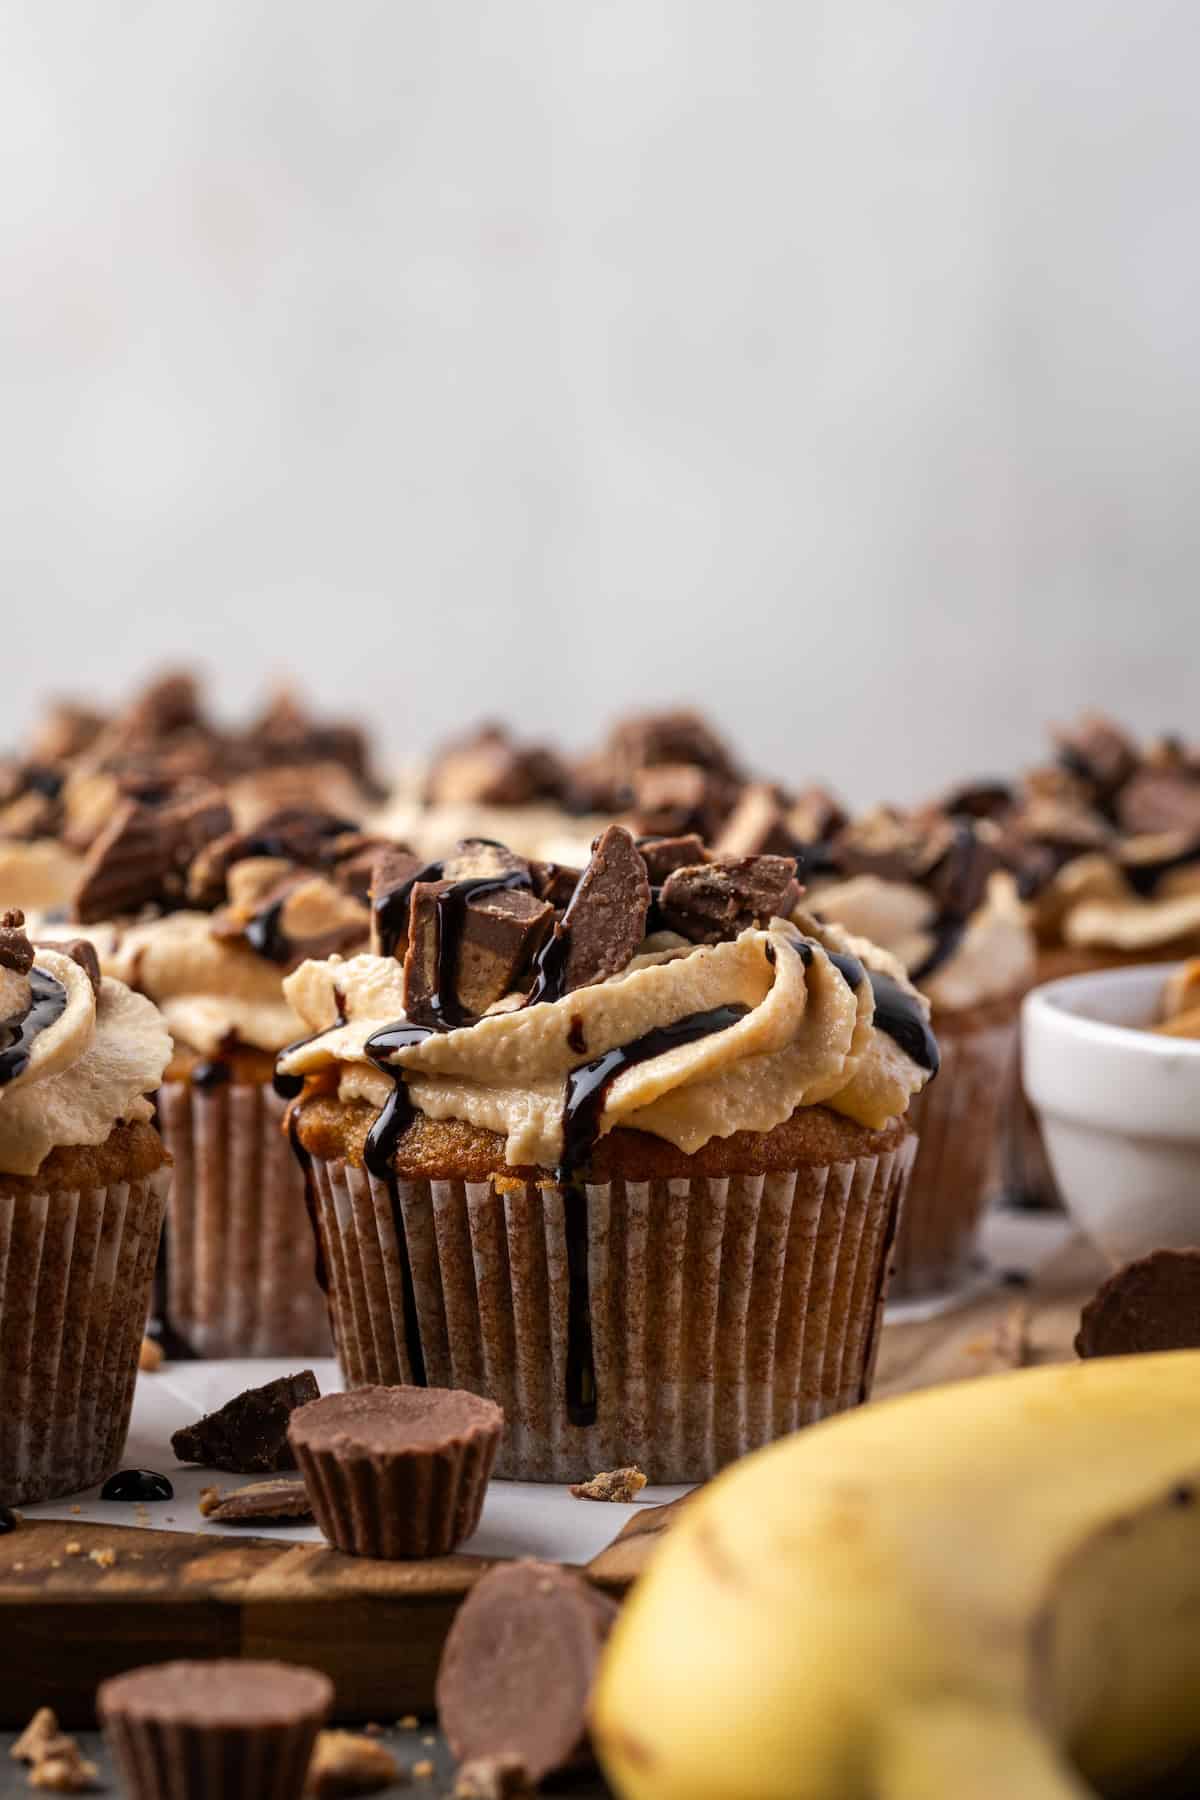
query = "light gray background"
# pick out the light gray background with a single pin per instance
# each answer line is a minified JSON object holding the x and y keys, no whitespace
{"x":836,"y":362}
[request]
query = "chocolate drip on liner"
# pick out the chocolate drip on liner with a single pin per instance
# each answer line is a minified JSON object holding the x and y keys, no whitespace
{"x":587,"y":1090}
{"x":380,"y":1147}
{"x":48,"y":1004}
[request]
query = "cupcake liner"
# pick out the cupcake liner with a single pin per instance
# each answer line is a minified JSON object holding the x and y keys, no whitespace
{"x":723,"y":1312}
{"x":240,"y":1271}
{"x":958,"y":1119}
{"x":75,"y":1274}
{"x":165,"y":1759}
{"x":415,"y":1504}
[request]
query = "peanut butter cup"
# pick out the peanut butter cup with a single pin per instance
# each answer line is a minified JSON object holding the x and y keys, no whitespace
{"x":222,"y":1730}
{"x":397,"y":1472}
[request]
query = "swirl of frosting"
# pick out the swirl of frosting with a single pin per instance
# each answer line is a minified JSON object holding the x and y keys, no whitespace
{"x":802,"y":999}
{"x":1096,"y":905}
{"x":209,"y":989}
{"x":986,"y":956}
{"x":77,"y":1062}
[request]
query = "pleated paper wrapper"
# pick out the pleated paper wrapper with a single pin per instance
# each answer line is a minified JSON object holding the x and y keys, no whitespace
{"x":76,"y":1269}
{"x":959,"y":1120}
{"x":241,"y":1277}
{"x":724,"y":1312}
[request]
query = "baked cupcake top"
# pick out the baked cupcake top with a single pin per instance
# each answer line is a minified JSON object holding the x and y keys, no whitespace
{"x":78,"y":1051}
{"x":660,"y":988}
{"x":207,"y":919}
{"x":939,"y":891}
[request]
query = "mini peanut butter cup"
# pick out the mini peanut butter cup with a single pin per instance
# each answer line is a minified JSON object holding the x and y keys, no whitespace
{"x":1151,"y":1304}
{"x":518,"y":1667}
{"x":397,"y":1472}
{"x":223,"y":1730}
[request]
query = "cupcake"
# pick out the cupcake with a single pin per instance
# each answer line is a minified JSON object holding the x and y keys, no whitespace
{"x":622,"y":1151}
{"x":206,"y":920}
{"x":83,"y":1186}
{"x":938,"y":892}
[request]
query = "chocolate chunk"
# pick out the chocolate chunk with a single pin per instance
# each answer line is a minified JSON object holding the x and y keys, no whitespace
{"x":81,"y":951}
{"x":606,"y":920}
{"x":882,"y":843}
{"x":141,"y":856}
{"x":345,"y":1764}
{"x":554,"y":882}
{"x":491,"y":769}
{"x":170,"y":703}
{"x":662,"y":855}
{"x":64,"y":732}
{"x":286,"y":734}
{"x":468,"y":949}
{"x":392,"y":880}
{"x":757,"y":826}
{"x":649,"y":740}
{"x":16,"y":951}
{"x":719,"y":899}
{"x":1155,"y":801}
{"x":310,"y":839}
{"x":1150,"y":1304}
{"x":673,"y":799}
{"x":979,"y":800}
{"x":958,"y":877}
{"x":479,"y":858}
{"x":517,"y":1671}
{"x":267,"y":1502}
{"x":355,"y":855}
{"x":248,"y":1435}
{"x":815,"y":815}
{"x":1098,"y":752}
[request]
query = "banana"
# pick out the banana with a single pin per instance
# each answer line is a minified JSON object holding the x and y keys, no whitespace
{"x":990,"y":1589}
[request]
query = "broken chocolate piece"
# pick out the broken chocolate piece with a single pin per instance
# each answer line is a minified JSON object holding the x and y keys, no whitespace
{"x":757,"y":826}
{"x":281,"y":1500}
{"x":672,"y":799}
{"x":81,"y":951}
{"x":815,"y":815}
{"x":621,"y":1486}
{"x":491,"y":769}
{"x":16,"y":951}
{"x":554,"y":882}
{"x":1155,"y":801}
{"x":717,"y":900}
{"x":64,"y":732}
{"x":532,"y":1701}
{"x":141,"y":856}
{"x":979,"y":800}
{"x":648,"y":740}
{"x":346,"y":1763}
{"x":392,"y":880}
{"x":248,"y":1434}
{"x":958,"y":877}
{"x":310,"y":839}
{"x":606,"y":920}
{"x":663,"y":855}
{"x":1097,"y":751}
{"x":469,"y":944}
{"x":1150,"y":1304}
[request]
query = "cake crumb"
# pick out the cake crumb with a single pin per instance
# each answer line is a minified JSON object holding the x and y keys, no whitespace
{"x":41,"y":1730}
{"x":346,"y":1763}
{"x":409,"y":1722}
{"x":77,"y":1509}
{"x":150,"y":1357}
{"x":502,"y":1777}
{"x":74,"y":1548}
{"x":424,"y":1770}
{"x":104,"y":1558}
{"x":619,"y":1485}
{"x":210,"y":1499}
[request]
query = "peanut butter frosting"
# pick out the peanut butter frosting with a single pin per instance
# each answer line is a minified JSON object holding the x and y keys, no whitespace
{"x":990,"y":955}
{"x":1099,"y":908}
{"x":76,"y":1061}
{"x":802,"y":1000}
{"x":209,"y":990}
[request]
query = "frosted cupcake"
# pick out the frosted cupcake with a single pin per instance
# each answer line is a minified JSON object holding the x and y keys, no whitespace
{"x":622,"y":1151}
{"x":207,"y":921}
{"x":937,"y":893}
{"x":83,"y":1185}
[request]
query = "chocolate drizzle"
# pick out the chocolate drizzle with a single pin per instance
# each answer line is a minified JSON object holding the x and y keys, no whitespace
{"x":444,"y":1007}
{"x":587,"y":1090}
{"x":48,"y":1005}
{"x":380,"y":1147}
{"x":320,"y":1267}
{"x":265,"y":934}
{"x":897,"y":1013}
{"x":140,"y":1485}
{"x":948,"y":932}
{"x":211,"y":1074}
{"x":1144,"y":876}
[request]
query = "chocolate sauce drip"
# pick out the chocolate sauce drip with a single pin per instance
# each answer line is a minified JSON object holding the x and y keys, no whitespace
{"x":447,"y":1013}
{"x":289,"y":1086}
{"x":320,"y":1268}
{"x":49,"y":1003}
{"x":549,"y":967}
{"x":380,"y":1147}
{"x":211,"y":1074}
{"x":142,"y":1485}
{"x":44,"y":781}
{"x":897,"y":1013}
{"x":817,"y":858}
{"x":265,"y":934}
{"x":391,"y":910}
{"x":948,"y":932}
{"x":587,"y":1089}
{"x":8,"y":1520}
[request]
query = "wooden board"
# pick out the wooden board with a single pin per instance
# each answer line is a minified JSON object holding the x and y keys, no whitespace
{"x":376,"y":1628}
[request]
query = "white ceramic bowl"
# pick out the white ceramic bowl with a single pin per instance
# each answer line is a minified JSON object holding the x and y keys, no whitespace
{"x":1120,"y":1108}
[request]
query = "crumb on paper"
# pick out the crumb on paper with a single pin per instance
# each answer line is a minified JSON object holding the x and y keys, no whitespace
{"x":104,"y":1558}
{"x":372,"y":1729}
{"x":347,"y":1763}
{"x":41,"y":1730}
{"x":74,"y":1548}
{"x":424,"y":1770}
{"x":409,"y":1722}
{"x":150,"y":1357}
{"x":210,"y":1499}
{"x":77,"y":1509}
{"x":429,"y":1740}
{"x":501,"y":1777}
{"x":619,"y":1485}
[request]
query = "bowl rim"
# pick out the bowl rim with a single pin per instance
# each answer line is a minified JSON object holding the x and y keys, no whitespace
{"x":1135,"y":1039}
